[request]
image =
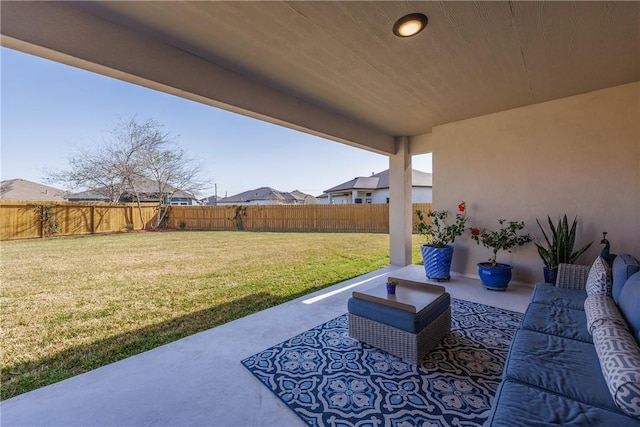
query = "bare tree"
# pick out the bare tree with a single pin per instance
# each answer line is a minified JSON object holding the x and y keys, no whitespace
{"x":91,"y":170}
{"x":132,"y":143}
{"x":137,"y":154}
{"x":171,"y":171}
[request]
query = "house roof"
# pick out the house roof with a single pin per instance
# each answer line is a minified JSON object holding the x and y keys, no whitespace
{"x":144,"y":187}
{"x":262,"y":193}
{"x":21,"y":189}
{"x":381,"y":180}
{"x":301,"y":197}
{"x":266,"y":193}
{"x":89,"y":195}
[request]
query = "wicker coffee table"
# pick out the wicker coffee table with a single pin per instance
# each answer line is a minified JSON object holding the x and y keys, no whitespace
{"x":408,"y":324}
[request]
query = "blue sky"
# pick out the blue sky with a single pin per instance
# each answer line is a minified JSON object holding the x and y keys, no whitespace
{"x":49,"y":109}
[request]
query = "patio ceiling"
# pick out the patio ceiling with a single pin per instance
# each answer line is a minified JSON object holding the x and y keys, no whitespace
{"x":335,"y":68}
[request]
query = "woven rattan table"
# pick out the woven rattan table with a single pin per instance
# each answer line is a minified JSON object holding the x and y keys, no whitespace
{"x":414,"y":301}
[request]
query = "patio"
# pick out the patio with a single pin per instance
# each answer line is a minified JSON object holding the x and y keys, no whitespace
{"x":199,"y":380}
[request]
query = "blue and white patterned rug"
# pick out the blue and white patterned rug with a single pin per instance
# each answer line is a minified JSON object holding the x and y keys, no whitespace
{"x":329,"y":379}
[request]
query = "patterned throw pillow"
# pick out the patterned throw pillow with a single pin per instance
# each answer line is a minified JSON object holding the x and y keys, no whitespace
{"x":599,"y":279}
{"x":601,"y":310}
{"x":619,"y":357}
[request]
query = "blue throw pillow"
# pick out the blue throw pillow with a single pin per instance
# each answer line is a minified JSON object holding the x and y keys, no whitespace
{"x":624,"y":266}
{"x":629,"y":304}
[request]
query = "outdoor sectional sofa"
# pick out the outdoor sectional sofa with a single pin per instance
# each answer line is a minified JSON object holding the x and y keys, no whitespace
{"x":575,"y":360}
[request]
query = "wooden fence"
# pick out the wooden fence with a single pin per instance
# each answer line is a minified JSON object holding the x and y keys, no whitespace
{"x":21,"y":220}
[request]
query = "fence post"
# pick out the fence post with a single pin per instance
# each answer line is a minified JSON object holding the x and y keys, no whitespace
{"x":92,"y":219}
{"x":40,"y":222}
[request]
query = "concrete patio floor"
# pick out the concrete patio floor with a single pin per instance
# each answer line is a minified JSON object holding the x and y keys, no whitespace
{"x":199,"y":380}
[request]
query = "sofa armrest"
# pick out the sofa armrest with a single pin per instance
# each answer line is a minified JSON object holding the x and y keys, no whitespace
{"x":572,"y":276}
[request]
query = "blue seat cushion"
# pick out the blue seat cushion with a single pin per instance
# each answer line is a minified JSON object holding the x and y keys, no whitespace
{"x":629,"y":304}
{"x":624,"y":266}
{"x":544,"y":293}
{"x":557,"y":320}
{"x":559,"y":365}
{"x":518,"y":404}
{"x":401,"y":319}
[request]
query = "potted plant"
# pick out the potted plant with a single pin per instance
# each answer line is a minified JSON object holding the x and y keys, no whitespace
{"x":437,"y":251}
{"x":391,"y":285}
{"x":494,"y":275}
{"x":559,"y":250}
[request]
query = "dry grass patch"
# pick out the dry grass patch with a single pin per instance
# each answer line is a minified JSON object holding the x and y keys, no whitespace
{"x":70,"y":305}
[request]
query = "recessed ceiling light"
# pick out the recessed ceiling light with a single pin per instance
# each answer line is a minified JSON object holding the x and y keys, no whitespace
{"x":410,"y":25}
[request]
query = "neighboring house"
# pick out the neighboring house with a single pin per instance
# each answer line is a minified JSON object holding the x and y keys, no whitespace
{"x":148,"y":191}
{"x":210,"y":201}
{"x":21,"y":189}
{"x":299,"y":198}
{"x":323,"y":199}
{"x":375,"y":189}
{"x":268,"y":196}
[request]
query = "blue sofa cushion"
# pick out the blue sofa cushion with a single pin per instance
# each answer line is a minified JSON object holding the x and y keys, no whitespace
{"x":401,"y":319}
{"x":545,"y":293}
{"x":629,"y":304}
{"x":559,"y":365}
{"x":624,"y":266}
{"x":557,"y":320}
{"x":619,"y":357}
{"x":518,"y":404}
{"x":599,"y":279}
{"x":600,"y":310}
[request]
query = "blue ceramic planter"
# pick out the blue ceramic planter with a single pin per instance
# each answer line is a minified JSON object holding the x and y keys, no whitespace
{"x":495,"y":278}
{"x":437,"y":261}
{"x":550,"y":275}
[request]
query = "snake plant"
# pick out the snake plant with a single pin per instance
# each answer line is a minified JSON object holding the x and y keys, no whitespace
{"x":560,"y":242}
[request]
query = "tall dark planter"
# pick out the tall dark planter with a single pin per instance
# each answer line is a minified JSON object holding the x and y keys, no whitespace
{"x":495,"y":278}
{"x":437,"y":262}
{"x":550,"y":275}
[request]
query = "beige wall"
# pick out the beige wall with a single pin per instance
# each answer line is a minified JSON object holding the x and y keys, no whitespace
{"x":578,"y":155}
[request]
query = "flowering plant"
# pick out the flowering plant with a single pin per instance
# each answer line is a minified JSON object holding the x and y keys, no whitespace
{"x":503,"y":239}
{"x":436,"y":230}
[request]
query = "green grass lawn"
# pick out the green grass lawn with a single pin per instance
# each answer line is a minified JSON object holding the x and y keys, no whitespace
{"x":69,"y":305}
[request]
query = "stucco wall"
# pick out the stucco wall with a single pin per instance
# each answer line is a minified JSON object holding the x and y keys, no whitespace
{"x":578,"y":155}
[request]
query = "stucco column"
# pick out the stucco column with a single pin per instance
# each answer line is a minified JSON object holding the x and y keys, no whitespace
{"x":400,"y":206}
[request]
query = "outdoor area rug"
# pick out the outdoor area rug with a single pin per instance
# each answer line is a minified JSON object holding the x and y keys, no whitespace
{"x":329,"y":379}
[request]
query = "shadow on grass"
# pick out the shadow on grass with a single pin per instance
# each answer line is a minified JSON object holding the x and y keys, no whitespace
{"x":23,"y":377}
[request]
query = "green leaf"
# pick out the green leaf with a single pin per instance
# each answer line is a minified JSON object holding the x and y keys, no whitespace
{"x":560,"y":242}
